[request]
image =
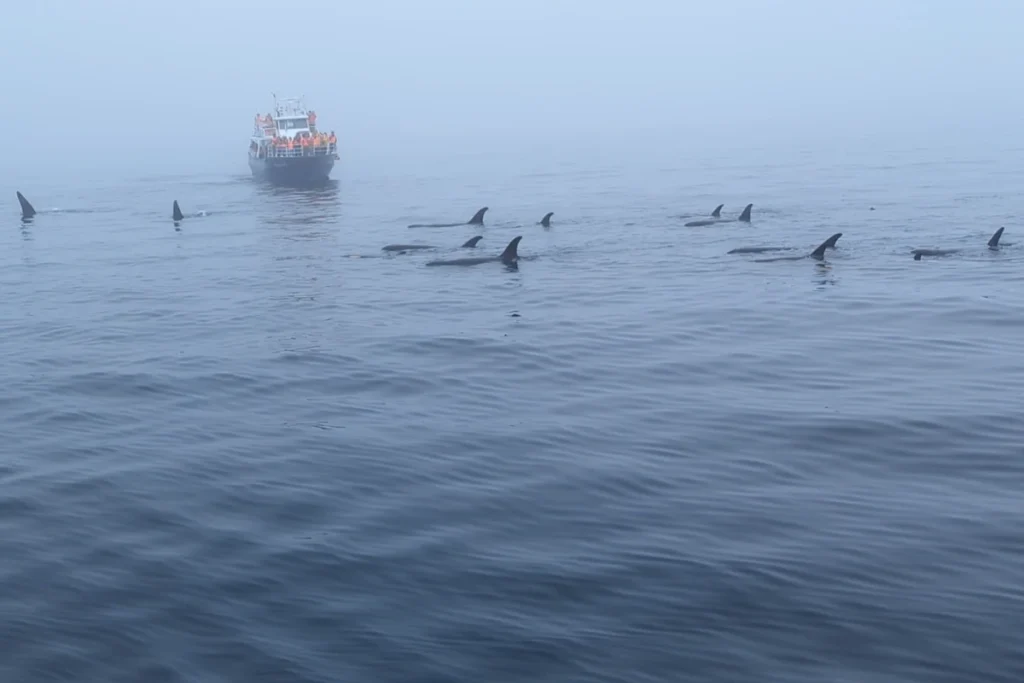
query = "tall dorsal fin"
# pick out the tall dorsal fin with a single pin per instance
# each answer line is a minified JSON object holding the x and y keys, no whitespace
{"x":717,"y":213}
{"x":830,"y":243}
{"x":471,"y":242}
{"x":546,"y":221}
{"x":745,"y":216}
{"x":27,"y":210}
{"x":478,"y":217}
{"x":994,"y":242}
{"x":176,"y":213}
{"x":511,"y":253}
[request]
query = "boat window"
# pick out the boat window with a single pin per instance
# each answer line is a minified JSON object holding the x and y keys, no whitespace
{"x":292,"y":124}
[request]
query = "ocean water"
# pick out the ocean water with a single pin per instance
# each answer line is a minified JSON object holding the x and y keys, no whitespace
{"x":254,"y":449}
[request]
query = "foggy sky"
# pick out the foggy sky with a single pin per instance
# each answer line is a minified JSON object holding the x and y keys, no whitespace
{"x":125,"y":82}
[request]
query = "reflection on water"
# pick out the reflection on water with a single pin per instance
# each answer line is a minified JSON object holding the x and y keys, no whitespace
{"x":325,"y":189}
{"x":301,"y":205}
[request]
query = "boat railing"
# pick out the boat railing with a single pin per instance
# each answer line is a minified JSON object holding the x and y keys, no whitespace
{"x":317,"y":151}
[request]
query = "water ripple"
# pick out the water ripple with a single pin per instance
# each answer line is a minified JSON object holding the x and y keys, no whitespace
{"x":233,"y":453}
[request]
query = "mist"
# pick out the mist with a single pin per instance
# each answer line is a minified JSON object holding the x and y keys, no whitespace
{"x":175,"y":86}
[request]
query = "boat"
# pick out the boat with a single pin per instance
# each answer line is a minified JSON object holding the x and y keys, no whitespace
{"x":287,"y":147}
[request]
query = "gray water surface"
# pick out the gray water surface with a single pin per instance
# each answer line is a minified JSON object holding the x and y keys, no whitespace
{"x":234,"y":452}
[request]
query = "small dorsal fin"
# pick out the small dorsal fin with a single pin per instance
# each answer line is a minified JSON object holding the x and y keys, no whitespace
{"x":478,"y":217}
{"x":745,"y":216}
{"x":830,"y":243}
{"x":176,"y":213}
{"x":994,"y":242}
{"x":546,"y":221}
{"x":27,"y":210}
{"x":717,"y":213}
{"x":471,"y":242}
{"x":511,"y":253}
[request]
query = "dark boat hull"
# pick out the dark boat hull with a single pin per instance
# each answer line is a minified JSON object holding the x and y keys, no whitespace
{"x":292,"y":170}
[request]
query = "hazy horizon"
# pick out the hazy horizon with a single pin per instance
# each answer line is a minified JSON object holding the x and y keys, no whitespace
{"x":402,"y":79}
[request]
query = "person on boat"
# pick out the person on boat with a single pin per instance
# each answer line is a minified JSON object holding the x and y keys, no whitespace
{"x":312,"y":119}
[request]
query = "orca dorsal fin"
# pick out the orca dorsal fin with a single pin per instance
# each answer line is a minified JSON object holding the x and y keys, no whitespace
{"x":994,"y":242}
{"x":745,"y":216}
{"x":478,"y":217}
{"x":546,"y":221}
{"x":511,"y":253}
{"x":830,"y":243}
{"x":176,"y":213}
{"x":471,"y":242}
{"x":27,"y":210}
{"x":717,"y":213}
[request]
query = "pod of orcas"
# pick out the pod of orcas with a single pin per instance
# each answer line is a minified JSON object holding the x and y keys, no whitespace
{"x":993,"y":243}
{"x":819,"y":253}
{"x":510,"y":256}
{"x":716,"y":217}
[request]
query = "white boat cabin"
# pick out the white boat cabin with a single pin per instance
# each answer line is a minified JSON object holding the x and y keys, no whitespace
{"x":290,"y":119}
{"x":291,"y":122}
